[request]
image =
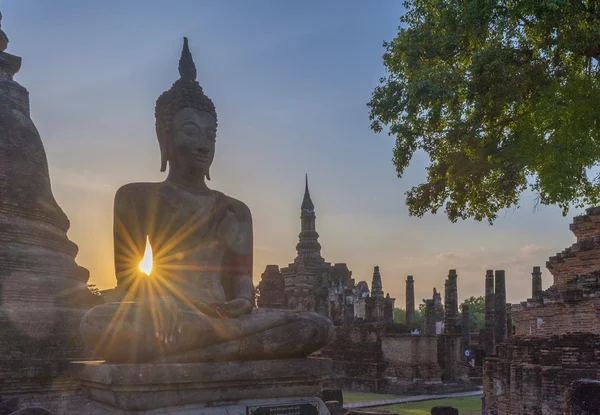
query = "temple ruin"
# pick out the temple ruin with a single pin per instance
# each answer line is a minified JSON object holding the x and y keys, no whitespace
{"x":312,"y":284}
{"x":556,"y":332}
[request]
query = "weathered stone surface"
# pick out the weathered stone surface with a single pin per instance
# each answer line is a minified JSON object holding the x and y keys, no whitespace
{"x":489,"y":313}
{"x":536,"y":283}
{"x":383,"y":358}
{"x":43,"y":291}
{"x":37,"y":260}
{"x":410,"y":301}
{"x":465,"y":328}
{"x":531,"y":375}
{"x":500,"y":306}
{"x":146,"y":387}
{"x":429,"y":317}
{"x":451,"y":303}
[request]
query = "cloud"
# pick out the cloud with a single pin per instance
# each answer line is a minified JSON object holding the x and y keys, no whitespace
{"x":531,"y":249}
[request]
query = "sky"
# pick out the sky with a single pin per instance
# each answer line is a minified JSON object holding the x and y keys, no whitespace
{"x":290,"y":81}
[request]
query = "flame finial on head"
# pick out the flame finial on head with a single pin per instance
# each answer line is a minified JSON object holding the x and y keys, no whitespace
{"x":187,"y":68}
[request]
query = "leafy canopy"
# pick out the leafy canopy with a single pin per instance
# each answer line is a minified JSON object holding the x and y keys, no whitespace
{"x":502,"y":95}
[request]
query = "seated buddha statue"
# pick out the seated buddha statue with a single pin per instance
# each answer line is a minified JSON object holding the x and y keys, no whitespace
{"x":197,"y":303}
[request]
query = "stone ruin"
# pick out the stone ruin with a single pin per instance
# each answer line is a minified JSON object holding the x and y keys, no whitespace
{"x":397,"y":358}
{"x":43,"y":291}
{"x":556,"y":342}
{"x":312,"y":284}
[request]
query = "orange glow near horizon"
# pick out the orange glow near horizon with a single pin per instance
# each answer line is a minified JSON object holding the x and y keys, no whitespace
{"x":146,"y":263}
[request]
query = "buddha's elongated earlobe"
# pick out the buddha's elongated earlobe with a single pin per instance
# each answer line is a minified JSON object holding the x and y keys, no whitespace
{"x":208,"y":175}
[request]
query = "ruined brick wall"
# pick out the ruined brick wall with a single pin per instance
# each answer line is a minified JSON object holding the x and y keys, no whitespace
{"x":357,"y":357}
{"x":558,"y":318}
{"x":382,"y":358}
{"x":408,"y":357}
{"x":530,"y":375}
{"x":581,"y":258}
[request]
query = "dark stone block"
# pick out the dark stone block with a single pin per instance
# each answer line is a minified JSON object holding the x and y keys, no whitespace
{"x":8,"y":406}
{"x":583,"y":397}
{"x":444,"y":410}
{"x":333,"y":395}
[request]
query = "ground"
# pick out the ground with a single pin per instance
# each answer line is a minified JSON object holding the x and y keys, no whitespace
{"x":466,"y":406}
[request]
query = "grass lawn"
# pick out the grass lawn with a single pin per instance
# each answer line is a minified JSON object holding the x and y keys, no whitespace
{"x":466,"y":406}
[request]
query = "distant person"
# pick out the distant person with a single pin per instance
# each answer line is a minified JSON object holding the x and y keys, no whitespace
{"x":468,"y":356}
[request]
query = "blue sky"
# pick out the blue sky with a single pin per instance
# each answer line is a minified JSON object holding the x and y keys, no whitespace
{"x":290,"y":80}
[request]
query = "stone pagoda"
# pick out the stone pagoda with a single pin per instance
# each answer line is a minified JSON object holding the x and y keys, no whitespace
{"x":43,"y":291}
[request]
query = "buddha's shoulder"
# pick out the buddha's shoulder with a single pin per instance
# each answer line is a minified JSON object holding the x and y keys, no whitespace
{"x":133,"y":191}
{"x":240,"y":209}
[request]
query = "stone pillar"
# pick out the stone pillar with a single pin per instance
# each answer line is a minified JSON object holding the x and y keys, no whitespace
{"x":489,"y":312}
{"x":410,"y":301}
{"x":500,"y":307}
{"x":536,"y":283}
{"x":466,"y":328}
{"x":509,"y":322}
{"x":429,"y":317}
{"x":451,"y":303}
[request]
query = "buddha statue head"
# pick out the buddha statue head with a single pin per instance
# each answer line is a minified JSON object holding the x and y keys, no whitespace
{"x":186,"y":124}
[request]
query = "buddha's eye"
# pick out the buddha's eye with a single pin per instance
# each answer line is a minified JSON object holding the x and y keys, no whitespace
{"x":190,"y":130}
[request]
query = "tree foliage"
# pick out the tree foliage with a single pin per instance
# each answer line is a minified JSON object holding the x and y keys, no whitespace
{"x":476,"y":313}
{"x":503,"y":95}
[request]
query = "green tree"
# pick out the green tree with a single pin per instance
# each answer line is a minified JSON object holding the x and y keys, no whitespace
{"x":476,"y":313}
{"x":502,"y":95}
{"x":399,"y":315}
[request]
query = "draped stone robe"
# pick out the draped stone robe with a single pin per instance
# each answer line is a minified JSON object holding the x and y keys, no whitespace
{"x":202,"y":244}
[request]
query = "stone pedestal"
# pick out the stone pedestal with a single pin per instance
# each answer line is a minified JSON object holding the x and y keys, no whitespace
{"x":204,"y":388}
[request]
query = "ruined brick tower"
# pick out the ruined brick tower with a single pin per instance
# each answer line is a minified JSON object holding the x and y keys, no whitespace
{"x":309,"y":283}
{"x":557,"y":331}
{"x":312,"y":284}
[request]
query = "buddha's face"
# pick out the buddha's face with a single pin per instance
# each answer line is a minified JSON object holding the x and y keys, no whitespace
{"x":194,"y":140}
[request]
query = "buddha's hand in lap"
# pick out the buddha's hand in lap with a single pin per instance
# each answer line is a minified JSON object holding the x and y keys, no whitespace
{"x":233,"y":308}
{"x":163,"y":314}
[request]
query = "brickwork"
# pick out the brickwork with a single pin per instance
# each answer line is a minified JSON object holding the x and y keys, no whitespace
{"x":531,"y":375}
{"x":410,"y":301}
{"x":558,"y":318}
{"x":451,"y":303}
{"x":557,"y":339}
{"x":382,"y":358}
{"x":489,"y":313}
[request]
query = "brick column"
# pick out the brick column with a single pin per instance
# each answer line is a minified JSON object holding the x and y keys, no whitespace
{"x":509,"y":322}
{"x":429,"y":317}
{"x":500,"y":307}
{"x":451,"y":303}
{"x":489,"y":312}
{"x":536,"y":283}
{"x":410,"y":301}
{"x":466,"y":328}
